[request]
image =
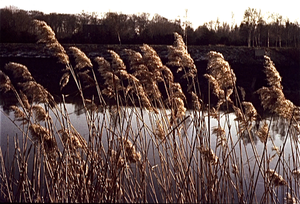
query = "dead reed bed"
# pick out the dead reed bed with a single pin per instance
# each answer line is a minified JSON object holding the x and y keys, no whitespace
{"x":148,"y":145}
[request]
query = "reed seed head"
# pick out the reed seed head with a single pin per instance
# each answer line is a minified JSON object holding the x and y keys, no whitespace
{"x":40,"y":113}
{"x":64,"y":80}
{"x":168,"y":74}
{"x":39,"y":132}
{"x":273,"y":98}
{"x":273,"y":76}
{"x":179,"y":57}
{"x":37,"y":92}
{"x":70,"y":138}
{"x":289,"y":199}
{"x":235,"y":169}
{"x":103,"y":65}
{"x":296,"y":173}
{"x":5,"y":83}
{"x":151,"y":58}
{"x":46,"y":35}
{"x":19,"y":71}
{"x":215,"y":86}
{"x":220,"y":69}
{"x":136,"y":60}
{"x":159,"y":131}
{"x":131,"y":154}
{"x":275,"y":148}
{"x":221,"y":136}
{"x":19,"y":114}
{"x":24,"y":100}
{"x":117,"y":63}
{"x":209,"y":155}
{"x":277,"y":179}
{"x":86,"y":78}
{"x":270,"y":97}
{"x":80,"y":58}
{"x":118,"y":159}
{"x":196,"y":102}
{"x":250,"y":110}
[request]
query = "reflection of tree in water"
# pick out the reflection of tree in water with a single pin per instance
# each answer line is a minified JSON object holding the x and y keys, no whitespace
{"x":245,"y":136}
{"x":278,"y":130}
{"x":281,"y":127}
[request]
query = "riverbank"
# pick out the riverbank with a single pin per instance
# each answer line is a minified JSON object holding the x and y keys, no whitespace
{"x":244,"y":55}
{"x":247,"y":64}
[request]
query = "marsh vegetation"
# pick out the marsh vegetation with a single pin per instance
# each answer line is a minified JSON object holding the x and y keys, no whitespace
{"x":147,"y":139}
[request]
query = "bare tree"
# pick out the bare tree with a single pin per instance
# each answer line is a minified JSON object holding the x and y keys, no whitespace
{"x":251,"y":18}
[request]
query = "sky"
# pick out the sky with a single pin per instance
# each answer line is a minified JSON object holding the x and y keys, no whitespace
{"x":198,"y":11}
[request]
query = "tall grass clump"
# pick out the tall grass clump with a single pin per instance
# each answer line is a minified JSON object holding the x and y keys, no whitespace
{"x":150,"y":137}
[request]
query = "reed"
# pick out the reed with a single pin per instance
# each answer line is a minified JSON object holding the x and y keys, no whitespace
{"x":144,"y":143}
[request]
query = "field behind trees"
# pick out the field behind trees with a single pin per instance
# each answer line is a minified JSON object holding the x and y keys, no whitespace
{"x":114,"y":28}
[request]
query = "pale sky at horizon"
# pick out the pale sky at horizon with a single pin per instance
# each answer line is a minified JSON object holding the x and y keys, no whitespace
{"x":198,"y":13}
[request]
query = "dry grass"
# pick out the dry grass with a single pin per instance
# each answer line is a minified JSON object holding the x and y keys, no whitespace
{"x":147,"y":146}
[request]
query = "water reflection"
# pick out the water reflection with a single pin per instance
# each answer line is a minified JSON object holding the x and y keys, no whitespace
{"x":139,"y":120}
{"x":76,"y":111}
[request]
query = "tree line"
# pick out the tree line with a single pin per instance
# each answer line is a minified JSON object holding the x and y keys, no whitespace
{"x":116,"y":28}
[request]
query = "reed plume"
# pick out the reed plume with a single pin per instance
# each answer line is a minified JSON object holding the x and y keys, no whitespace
{"x":179,"y":57}
{"x":243,"y":123}
{"x":117,"y":63}
{"x":39,"y":112}
{"x":217,"y":91}
{"x":209,"y":155}
{"x":273,"y":76}
{"x":221,"y":136}
{"x":273,"y":98}
{"x":147,"y":77}
{"x":168,"y":74}
{"x":235,"y":169}
{"x":39,"y":133}
{"x":112,"y":81}
{"x":80,"y":58}
{"x":296,"y":173}
{"x":144,"y":98}
{"x":19,"y":114}
{"x":117,"y":158}
{"x":131,"y":154}
{"x":250,"y":110}
{"x":24,"y":100}
{"x":20,"y":72}
{"x":28,"y":87}
{"x":152,"y":61}
{"x":196,"y":102}
{"x":159,"y":131}
{"x":5,"y":83}
{"x":86,"y":78}
{"x":277,"y":179}
{"x":36,"y":92}
{"x":47,"y":36}
{"x":176,"y":100}
{"x":221,"y":76}
{"x":64,"y":80}
{"x":220,"y":69}
{"x":103,"y":65}
{"x":250,"y":113}
{"x":71,"y":138}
